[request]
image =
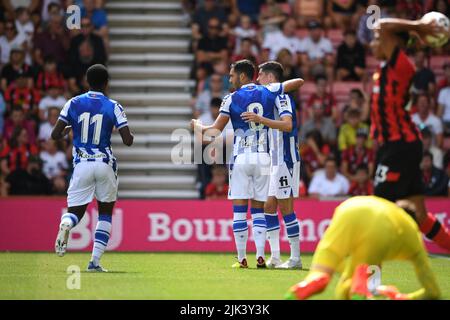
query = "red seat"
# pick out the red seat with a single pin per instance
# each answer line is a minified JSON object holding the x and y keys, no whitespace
{"x":308,"y":88}
{"x":437,"y":62}
{"x":371,"y":63}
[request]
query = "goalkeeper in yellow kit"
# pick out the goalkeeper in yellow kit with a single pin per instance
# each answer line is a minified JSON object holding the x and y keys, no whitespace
{"x":368,"y":230}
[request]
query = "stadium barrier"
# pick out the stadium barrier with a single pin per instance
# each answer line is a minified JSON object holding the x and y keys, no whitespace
{"x":30,"y":224}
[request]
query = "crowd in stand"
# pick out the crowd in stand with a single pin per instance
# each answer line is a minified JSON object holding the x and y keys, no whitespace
{"x":328,"y":44}
{"x":42,"y":65}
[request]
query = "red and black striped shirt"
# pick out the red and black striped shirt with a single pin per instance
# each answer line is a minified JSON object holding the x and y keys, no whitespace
{"x":390,"y":121}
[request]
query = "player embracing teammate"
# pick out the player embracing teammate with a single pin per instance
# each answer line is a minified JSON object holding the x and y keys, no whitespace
{"x":250,"y":168}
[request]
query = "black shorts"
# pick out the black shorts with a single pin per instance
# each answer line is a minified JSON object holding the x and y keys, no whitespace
{"x":398,"y":173}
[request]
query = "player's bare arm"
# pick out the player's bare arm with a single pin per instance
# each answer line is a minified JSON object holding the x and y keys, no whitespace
{"x":60,"y":130}
{"x":284,"y":124}
{"x":292,"y":84}
{"x":126,"y":135}
{"x":390,"y":28}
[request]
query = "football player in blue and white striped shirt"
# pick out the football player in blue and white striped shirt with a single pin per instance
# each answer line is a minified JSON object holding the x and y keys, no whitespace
{"x":250,"y":168}
{"x":285,"y":170}
{"x":92,"y":117}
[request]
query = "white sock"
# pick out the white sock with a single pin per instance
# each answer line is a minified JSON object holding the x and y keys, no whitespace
{"x":102,"y":234}
{"x":294,"y":243}
{"x":240,"y":230}
{"x":274,"y":241}
{"x":259,"y":231}
{"x":69,"y":219}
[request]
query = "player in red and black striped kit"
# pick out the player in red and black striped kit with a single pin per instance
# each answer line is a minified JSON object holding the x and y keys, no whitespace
{"x":399,"y":155}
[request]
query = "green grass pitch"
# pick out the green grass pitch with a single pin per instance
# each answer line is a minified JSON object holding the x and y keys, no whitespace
{"x":173,"y":276}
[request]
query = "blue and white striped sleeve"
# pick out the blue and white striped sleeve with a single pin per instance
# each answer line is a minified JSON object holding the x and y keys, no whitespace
{"x":225,"y":106}
{"x":64,"y":114}
{"x":283,"y":105}
{"x":120,"y":116}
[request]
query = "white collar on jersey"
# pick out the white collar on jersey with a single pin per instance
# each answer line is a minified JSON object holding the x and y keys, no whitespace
{"x":95,"y":92}
{"x":247,"y":85}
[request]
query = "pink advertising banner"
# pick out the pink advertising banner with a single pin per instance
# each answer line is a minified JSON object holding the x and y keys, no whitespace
{"x":30,"y":224}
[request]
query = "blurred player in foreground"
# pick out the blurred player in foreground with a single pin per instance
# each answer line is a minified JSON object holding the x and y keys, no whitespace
{"x":285,"y":170}
{"x":367,"y":230}
{"x":399,"y":155}
{"x":250,"y":168}
{"x":92,"y":117}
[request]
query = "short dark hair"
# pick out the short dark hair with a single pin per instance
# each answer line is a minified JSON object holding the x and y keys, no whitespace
{"x":244,"y":66}
{"x":427,"y":154}
{"x":353,"y":113}
{"x":362,"y":166}
{"x":331,"y":158}
{"x":215,"y":102}
{"x":97,"y":77}
{"x":272,"y":67}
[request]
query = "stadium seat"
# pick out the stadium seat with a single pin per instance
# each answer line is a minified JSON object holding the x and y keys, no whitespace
{"x":371,"y":64}
{"x":446,"y":144}
{"x":307,"y":90}
{"x":336,"y":37}
{"x":341,"y":89}
{"x":437,"y":63}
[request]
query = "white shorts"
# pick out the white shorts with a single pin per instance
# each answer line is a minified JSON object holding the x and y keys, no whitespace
{"x":89,"y":179}
{"x":249,"y":177}
{"x":284,"y":183}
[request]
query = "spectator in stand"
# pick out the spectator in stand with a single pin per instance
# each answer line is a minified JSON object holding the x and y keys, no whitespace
{"x":25,"y":28}
{"x":358,"y":101}
{"x":19,"y":93}
{"x":46,"y":127}
{"x":17,"y":153}
{"x":245,"y":51}
{"x":313,"y":153}
{"x":2,"y":115}
{"x":203,"y":101}
{"x":11,"y":39}
{"x":351,"y":59}
{"x":290,"y":70}
{"x":218,"y":187}
{"x":329,"y":182}
{"x":322,"y":123}
{"x":427,"y":141}
{"x":17,"y":119}
{"x":424,"y":80}
{"x":274,"y":42}
{"x":435,"y":180}
{"x":29,"y":181}
{"x":203,"y":71}
{"x":444,"y":108}
{"x":307,"y":10}
{"x":15,"y":68}
{"x":203,"y":15}
{"x":444,"y":82}
{"x":317,"y":53}
{"x":54,"y":165}
{"x":53,"y":98}
{"x":212,"y":47}
{"x":85,"y":50}
{"x":354,"y":156}
{"x":342,"y":14}
{"x":251,"y":8}
{"x":321,"y":97}
{"x":348,"y":131}
{"x":49,"y":7}
{"x":242,"y":31}
{"x":97,"y":16}
{"x":361,"y":185}
{"x":54,"y":39}
{"x":50,"y":76}
{"x":425,"y":118}
{"x":441,"y":6}
{"x":270,"y":18}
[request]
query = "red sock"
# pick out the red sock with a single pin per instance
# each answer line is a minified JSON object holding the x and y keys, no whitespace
{"x":435,"y":231}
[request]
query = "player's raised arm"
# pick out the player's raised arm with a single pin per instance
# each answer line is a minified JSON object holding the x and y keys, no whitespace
{"x":390,"y":30}
{"x":292,"y":85}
